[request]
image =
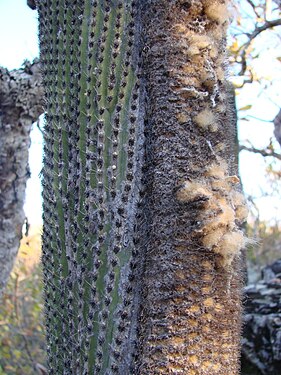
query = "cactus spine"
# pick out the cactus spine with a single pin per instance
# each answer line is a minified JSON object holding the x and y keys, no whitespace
{"x":134,"y":281}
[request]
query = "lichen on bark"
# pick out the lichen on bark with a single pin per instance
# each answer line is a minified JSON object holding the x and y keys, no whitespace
{"x":21,"y":103}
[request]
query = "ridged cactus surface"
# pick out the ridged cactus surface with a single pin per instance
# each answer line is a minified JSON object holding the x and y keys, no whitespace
{"x":92,"y":158}
{"x":141,"y":237}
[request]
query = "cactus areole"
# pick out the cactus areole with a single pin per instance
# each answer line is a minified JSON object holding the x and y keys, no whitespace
{"x":141,"y":236}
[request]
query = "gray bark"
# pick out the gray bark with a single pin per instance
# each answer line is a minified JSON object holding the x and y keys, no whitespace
{"x":21,"y":103}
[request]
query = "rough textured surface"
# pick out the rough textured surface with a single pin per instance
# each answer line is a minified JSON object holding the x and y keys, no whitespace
{"x":261,"y":343}
{"x":92,"y":165}
{"x":190,"y":321}
{"x":118,"y":230}
{"x":21,"y":100}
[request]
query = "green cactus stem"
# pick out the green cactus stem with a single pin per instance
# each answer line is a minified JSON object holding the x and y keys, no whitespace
{"x":92,"y":160}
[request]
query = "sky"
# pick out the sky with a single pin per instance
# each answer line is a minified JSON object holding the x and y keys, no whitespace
{"x":18,"y":41}
{"x":254,"y":124}
{"x":18,"y":33}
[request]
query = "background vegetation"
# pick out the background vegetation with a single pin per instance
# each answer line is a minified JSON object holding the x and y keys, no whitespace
{"x":21,"y":315}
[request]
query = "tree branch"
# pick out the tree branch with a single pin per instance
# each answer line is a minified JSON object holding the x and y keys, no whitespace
{"x":21,"y":103}
{"x":21,"y":93}
{"x":263,"y":152}
{"x":253,"y":7}
{"x":243,"y":50}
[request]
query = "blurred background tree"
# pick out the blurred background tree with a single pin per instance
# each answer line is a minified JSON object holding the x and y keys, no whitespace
{"x":21,"y":100}
{"x":255,"y":58}
{"x":22,"y":347}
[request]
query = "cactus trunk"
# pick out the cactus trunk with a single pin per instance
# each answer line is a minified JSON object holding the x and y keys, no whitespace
{"x":132,"y":285}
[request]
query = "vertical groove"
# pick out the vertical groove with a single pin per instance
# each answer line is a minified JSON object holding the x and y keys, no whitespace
{"x":90,"y":205}
{"x":82,"y":215}
{"x":65,"y":63}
